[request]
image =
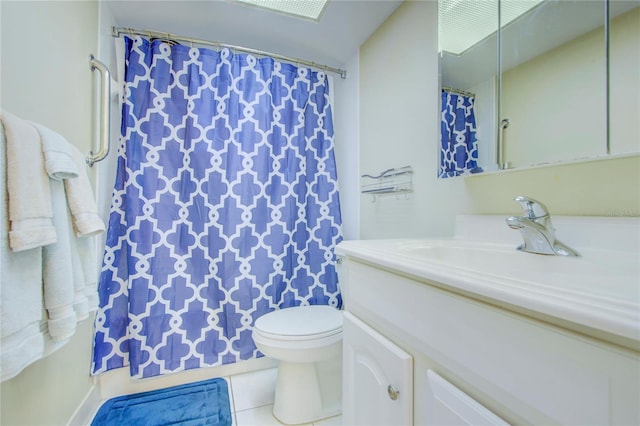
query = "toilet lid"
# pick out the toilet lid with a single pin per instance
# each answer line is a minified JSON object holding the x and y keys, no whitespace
{"x":300,"y":322}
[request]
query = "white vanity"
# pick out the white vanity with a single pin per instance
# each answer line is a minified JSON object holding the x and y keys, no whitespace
{"x":471,"y":331}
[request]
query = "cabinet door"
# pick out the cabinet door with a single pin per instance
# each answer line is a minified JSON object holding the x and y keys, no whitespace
{"x":448,"y":405}
{"x":377,"y":378}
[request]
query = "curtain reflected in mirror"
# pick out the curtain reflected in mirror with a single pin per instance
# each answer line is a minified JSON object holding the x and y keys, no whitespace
{"x":458,"y":141}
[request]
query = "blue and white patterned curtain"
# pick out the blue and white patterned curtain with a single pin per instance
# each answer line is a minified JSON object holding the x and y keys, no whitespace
{"x":458,"y":143}
{"x":225,"y":207}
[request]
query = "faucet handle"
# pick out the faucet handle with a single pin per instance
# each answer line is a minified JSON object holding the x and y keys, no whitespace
{"x":533,"y":209}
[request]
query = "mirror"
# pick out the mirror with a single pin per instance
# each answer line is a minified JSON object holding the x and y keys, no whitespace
{"x":543,"y":99}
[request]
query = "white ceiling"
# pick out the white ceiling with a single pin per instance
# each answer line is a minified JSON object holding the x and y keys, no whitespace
{"x":343,"y":27}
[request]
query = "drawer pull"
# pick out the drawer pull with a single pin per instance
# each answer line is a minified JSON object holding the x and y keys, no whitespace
{"x":393,"y":392}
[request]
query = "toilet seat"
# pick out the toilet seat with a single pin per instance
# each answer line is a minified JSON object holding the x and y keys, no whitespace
{"x":300,"y":323}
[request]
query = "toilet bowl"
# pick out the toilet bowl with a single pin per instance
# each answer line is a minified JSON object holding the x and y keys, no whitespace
{"x":307,"y":340}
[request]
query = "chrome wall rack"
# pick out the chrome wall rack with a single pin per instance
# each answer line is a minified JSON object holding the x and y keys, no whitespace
{"x":391,"y":181}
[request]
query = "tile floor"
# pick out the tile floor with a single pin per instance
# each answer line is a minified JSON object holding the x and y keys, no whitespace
{"x":251,"y":396}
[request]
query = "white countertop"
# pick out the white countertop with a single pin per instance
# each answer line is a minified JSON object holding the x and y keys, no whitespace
{"x":599,"y":292}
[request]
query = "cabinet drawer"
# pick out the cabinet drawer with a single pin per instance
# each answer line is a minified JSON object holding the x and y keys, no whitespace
{"x":448,"y":405}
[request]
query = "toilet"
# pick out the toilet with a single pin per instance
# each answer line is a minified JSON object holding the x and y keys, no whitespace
{"x":307,"y":340}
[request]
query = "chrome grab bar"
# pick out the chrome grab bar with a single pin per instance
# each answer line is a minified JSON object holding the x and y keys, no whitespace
{"x":105,"y":110}
{"x":500,"y":151}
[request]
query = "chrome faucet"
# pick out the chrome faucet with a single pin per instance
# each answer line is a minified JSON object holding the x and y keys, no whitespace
{"x":537,"y":230}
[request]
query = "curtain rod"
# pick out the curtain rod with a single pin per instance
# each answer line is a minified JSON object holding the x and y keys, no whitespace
{"x":458,"y":91}
{"x":118,"y":31}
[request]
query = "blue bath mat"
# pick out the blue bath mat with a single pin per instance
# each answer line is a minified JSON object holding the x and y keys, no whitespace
{"x":199,"y":403}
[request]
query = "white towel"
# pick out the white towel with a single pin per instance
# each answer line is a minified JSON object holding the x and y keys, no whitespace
{"x":67,"y":283}
{"x":82,"y":203}
{"x":21,"y":341}
{"x":45,"y":290}
{"x":58,"y":274}
{"x":85,"y":274}
{"x":58,"y":158}
{"x":29,"y":200}
{"x":91,"y":267}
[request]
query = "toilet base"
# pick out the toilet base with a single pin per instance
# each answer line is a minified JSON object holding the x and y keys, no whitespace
{"x":300,"y":389}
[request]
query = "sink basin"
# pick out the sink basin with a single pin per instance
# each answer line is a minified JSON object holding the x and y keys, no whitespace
{"x":611,"y":274}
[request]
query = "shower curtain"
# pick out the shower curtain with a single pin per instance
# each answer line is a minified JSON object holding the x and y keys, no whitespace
{"x":458,"y":143}
{"x":225,"y":207}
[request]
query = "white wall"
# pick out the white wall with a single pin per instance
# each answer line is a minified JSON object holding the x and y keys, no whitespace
{"x":346,"y":142}
{"x":106,"y":169}
{"x":398,"y":122}
{"x":399,"y":110}
{"x":46,"y":78}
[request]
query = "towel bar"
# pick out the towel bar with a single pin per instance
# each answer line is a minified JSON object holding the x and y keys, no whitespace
{"x":500,"y":148}
{"x":105,"y":110}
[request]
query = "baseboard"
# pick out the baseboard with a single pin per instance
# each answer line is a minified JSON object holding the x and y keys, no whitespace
{"x":87,"y":408}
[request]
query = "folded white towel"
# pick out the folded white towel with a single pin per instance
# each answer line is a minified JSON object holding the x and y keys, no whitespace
{"x":91,"y":267}
{"x":21,"y":341}
{"x":81,"y":201}
{"x":58,"y":280}
{"x":21,"y":349}
{"x":58,"y":274}
{"x":58,"y":159}
{"x":29,"y":201}
{"x":70,"y":273}
{"x":81,"y":304}
{"x":85,"y":274}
